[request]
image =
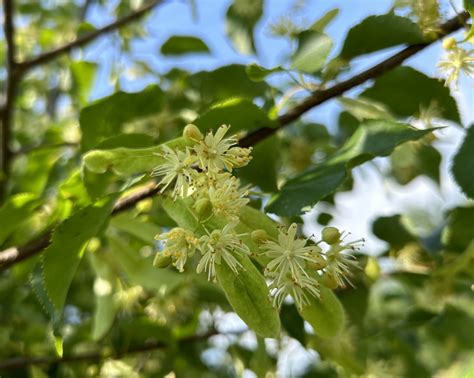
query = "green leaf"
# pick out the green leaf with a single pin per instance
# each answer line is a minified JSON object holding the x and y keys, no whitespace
{"x":15,"y":211}
{"x":469,"y":6}
{"x":144,"y":231}
{"x":407,"y":91}
{"x":242,"y":114}
{"x":458,"y":233}
{"x":363,"y":108}
{"x":313,"y":50}
{"x":259,"y":73}
{"x":226,"y":82}
{"x":61,"y":259}
{"x":241,"y":18}
{"x":183,"y":44}
{"x":372,"y":138}
{"x":320,"y":24}
{"x":326,"y":315}
{"x":463,"y":164}
{"x":83,"y":74}
{"x":106,"y":117}
{"x":380,"y":32}
{"x":140,"y":270}
{"x":127,"y":161}
{"x":180,"y":212}
{"x":392,"y":230}
{"x":248,"y":295}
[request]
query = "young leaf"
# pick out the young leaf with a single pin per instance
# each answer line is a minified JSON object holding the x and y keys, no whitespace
{"x":362,"y":108}
{"x":380,"y":32}
{"x":183,"y":44}
{"x":407,"y":92}
{"x":313,"y":50}
{"x":320,"y":24}
{"x":372,"y":138}
{"x":259,"y":73}
{"x":61,"y":259}
{"x":83,"y":74}
{"x":326,"y":315}
{"x":106,"y":117}
{"x":16,"y":210}
{"x":248,"y":295}
{"x":463,"y":164}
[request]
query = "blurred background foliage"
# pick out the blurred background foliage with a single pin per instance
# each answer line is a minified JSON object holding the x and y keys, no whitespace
{"x":411,"y":311}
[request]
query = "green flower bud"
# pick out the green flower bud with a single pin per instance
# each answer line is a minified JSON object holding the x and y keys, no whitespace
{"x":317,"y":261}
{"x":449,"y":43}
{"x":331,"y":235}
{"x":161,"y":260}
{"x":203,"y":207}
{"x":192,"y":134}
{"x":259,"y":236}
{"x":329,"y":280}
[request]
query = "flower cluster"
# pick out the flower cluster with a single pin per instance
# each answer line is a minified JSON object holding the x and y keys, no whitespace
{"x":203,"y":171}
{"x":456,"y":60}
{"x":298,"y":266}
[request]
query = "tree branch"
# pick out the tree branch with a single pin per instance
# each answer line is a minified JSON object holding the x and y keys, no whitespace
{"x":81,"y":41}
{"x":8,"y":258}
{"x":20,"y":362}
{"x":11,"y":86}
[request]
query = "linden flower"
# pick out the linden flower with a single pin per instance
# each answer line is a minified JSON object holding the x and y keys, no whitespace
{"x":457,"y":60}
{"x":289,"y":255}
{"x":179,"y":245}
{"x":216,"y":153}
{"x":339,"y":264}
{"x":226,"y":197}
{"x":280,"y":290}
{"x":177,"y":167}
{"x":221,"y":245}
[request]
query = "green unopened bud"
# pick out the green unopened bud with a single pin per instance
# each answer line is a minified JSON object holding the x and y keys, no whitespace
{"x":331,"y":235}
{"x":203,"y":207}
{"x":259,"y":236}
{"x":161,"y":260}
{"x":329,"y":280}
{"x":192,"y":134}
{"x":317,"y":261}
{"x":449,"y":43}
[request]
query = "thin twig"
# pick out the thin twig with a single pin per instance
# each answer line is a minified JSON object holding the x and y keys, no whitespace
{"x":81,"y":41}
{"x":317,"y":98}
{"x":15,"y":363}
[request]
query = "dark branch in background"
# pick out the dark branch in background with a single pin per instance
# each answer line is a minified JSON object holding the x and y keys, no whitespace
{"x":20,"y":362}
{"x":16,"y":70}
{"x":253,"y":138}
{"x":81,"y":41}
{"x":11,"y":86}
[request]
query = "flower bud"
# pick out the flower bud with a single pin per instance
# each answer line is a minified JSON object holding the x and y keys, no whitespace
{"x":317,"y":261}
{"x":259,"y":236}
{"x":203,"y":207}
{"x":449,"y":43}
{"x":192,"y":134}
{"x":331,"y":235}
{"x":161,"y":260}
{"x":329,"y":280}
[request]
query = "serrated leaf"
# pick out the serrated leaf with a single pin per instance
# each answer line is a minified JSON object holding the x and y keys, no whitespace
{"x":372,"y":138}
{"x":242,"y":114}
{"x":106,"y":117}
{"x":326,"y":315}
{"x":407,"y":92}
{"x":241,"y":18}
{"x":61,"y":259}
{"x":380,"y":32}
{"x":248,"y":295}
{"x":15,"y":211}
{"x":259,"y":73}
{"x":183,"y":44}
{"x":313,"y":50}
{"x":463,"y":164}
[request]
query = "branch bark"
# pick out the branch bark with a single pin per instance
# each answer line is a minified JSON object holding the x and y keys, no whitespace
{"x":81,"y":41}
{"x":20,"y":362}
{"x":7,"y":258}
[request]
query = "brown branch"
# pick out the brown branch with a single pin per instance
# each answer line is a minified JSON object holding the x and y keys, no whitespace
{"x":253,"y":138}
{"x":11,"y":86}
{"x":19,"y":362}
{"x":81,"y":41}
